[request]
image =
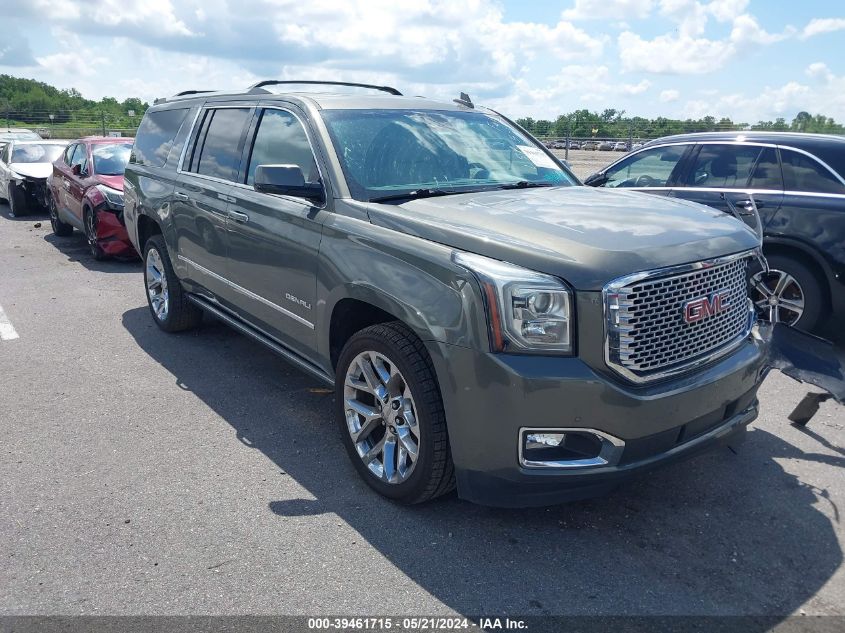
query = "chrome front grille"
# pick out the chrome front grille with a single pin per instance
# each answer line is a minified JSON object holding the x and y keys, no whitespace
{"x":648,"y":335}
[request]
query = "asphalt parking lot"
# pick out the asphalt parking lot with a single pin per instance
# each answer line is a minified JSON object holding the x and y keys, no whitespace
{"x":146,"y":473}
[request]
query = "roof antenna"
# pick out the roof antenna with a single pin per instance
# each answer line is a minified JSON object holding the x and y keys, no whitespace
{"x":464,"y":100}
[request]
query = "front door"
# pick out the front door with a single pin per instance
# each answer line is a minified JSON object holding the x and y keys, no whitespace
{"x":651,"y":170}
{"x":274,"y":240}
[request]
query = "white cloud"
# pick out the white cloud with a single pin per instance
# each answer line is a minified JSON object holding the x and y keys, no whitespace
{"x":776,"y":101}
{"x":608,"y":9}
{"x":636,"y":89}
{"x":820,"y":71}
{"x":667,"y":96}
{"x":817,"y":26}
{"x":686,"y":53}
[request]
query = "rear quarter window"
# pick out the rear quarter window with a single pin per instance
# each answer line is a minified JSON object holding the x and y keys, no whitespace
{"x":155,"y":136}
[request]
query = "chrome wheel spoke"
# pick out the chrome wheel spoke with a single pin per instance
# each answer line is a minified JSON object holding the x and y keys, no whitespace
{"x":407,"y":442}
{"x":793,"y":305}
{"x":783,"y":282}
{"x":389,"y":459}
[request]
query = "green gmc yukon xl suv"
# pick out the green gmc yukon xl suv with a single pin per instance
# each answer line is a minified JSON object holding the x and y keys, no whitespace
{"x":487,"y":322}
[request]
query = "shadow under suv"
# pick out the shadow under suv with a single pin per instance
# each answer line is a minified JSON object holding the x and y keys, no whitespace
{"x":486,"y":322}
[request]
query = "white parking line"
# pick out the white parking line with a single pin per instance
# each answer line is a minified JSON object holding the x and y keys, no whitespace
{"x":7,"y":330}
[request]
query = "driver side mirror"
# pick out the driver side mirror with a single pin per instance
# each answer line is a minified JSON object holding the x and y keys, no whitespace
{"x":595,"y":180}
{"x":287,"y":180}
{"x":76,"y":170}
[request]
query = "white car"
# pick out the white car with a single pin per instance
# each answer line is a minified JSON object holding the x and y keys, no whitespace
{"x":24,"y":169}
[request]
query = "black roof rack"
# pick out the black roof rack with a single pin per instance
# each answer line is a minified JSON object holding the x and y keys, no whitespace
{"x":191,"y":92}
{"x":275,"y":82}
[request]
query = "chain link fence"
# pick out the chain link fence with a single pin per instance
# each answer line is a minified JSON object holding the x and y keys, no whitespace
{"x":68,"y":124}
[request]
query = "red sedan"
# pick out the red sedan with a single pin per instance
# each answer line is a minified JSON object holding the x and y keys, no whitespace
{"x":86,"y":192}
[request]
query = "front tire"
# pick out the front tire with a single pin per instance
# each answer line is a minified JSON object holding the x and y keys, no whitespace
{"x":18,"y":204}
{"x":90,"y":223}
{"x":168,"y":301}
{"x":390,"y":414}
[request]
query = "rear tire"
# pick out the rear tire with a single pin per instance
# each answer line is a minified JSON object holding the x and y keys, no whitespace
{"x":790,"y":284}
{"x":408,"y":415}
{"x":168,"y":301}
{"x":61,"y":229}
{"x":18,"y":204}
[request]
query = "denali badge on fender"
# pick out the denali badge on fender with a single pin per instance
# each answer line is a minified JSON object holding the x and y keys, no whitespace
{"x":702,"y":307}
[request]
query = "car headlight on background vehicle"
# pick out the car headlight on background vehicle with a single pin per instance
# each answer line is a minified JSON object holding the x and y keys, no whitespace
{"x":112,"y":196}
{"x":527,"y":311}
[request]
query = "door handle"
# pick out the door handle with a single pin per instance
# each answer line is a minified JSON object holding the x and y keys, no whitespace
{"x":237,"y":216}
{"x":180,"y":196}
{"x":746,"y":204}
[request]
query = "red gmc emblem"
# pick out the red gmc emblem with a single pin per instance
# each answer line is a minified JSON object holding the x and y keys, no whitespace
{"x":697,"y":309}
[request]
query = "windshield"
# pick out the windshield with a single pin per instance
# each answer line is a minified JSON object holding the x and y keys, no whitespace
{"x":110,"y":160}
{"x":36,"y":153}
{"x":387,"y":152}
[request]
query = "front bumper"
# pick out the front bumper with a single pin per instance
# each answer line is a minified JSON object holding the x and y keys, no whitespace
{"x":489,"y":397}
{"x":112,"y":235}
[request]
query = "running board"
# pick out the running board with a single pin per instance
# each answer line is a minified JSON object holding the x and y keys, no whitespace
{"x":262,"y":338}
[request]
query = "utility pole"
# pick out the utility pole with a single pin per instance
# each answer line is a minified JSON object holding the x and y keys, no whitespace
{"x":103,"y":116}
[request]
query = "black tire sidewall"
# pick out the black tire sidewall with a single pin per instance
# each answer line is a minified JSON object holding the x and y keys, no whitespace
{"x":414,"y":486}
{"x":810,"y":286}
{"x":17,"y":201}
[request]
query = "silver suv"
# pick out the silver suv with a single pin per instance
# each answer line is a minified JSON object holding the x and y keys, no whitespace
{"x":486,"y":321}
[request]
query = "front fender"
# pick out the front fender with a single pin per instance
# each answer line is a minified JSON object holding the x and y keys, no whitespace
{"x":411,"y":278}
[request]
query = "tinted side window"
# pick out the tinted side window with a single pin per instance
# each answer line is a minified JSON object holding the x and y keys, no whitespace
{"x":155,"y":136}
{"x":219,"y":154}
{"x":767,"y":171}
{"x":648,"y":168}
{"x":723,"y":166}
{"x":281,"y":140}
{"x":802,"y":173}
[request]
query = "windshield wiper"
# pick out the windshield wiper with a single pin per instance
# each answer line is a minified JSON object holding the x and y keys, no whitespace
{"x":525,"y":184}
{"x":419,"y":193}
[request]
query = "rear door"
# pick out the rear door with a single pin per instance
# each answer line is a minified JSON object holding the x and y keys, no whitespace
{"x":202,"y":195}
{"x":813,"y":209}
{"x":734,"y":171}
{"x":274,"y":240}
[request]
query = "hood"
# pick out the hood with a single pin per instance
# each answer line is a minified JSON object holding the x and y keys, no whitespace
{"x":584,"y":235}
{"x":32,"y":170}
{"x":115,"y":182}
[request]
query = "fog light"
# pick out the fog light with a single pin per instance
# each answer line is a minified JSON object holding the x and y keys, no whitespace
{"x":568,"y":448}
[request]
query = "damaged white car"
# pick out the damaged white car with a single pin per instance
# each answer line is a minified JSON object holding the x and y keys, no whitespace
{"x":24,"y":169}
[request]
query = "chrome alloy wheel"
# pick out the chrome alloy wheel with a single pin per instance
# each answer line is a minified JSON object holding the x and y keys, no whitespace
{"x":778,"y":297}
{"x":157,"y":284}
{"x":381,"y":417}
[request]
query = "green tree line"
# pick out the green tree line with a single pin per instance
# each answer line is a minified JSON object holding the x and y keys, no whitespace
{"x":612,"y":123}
{"x":30,"y":102}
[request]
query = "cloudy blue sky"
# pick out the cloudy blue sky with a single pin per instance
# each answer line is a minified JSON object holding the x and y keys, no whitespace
{"x":746,"y":59}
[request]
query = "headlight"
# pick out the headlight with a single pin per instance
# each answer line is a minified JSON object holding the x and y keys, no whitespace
{"x":112,"y":196}
{"x":527,"y":311}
